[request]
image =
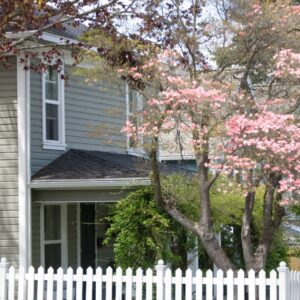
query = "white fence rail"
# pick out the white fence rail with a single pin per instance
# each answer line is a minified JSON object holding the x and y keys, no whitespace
{"x":161,"y":284}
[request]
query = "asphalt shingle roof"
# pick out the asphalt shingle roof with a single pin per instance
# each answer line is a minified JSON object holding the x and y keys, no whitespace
{"x":82,"y":164}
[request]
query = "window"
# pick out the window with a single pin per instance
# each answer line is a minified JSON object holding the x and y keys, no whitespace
{"x":134,"y":103}
{"x":53,"y":236}
{"x":53,"y":110}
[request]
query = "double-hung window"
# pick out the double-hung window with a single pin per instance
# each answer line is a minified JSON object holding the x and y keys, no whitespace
{"x":134,"y":103}
{"x":54,"y":236}
{"x":53,"y":109}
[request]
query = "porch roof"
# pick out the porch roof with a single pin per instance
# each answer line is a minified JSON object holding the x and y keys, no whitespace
{"x":82,"y":164}
{"x":97,"y":165}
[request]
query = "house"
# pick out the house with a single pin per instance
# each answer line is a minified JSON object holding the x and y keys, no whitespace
{"x":57,"y":179}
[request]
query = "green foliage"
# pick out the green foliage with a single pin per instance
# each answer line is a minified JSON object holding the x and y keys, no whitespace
{"x":278,"y":252}
{"x":295,"y":209}
{"x":142,"y":233}
{"x":294,"y":252}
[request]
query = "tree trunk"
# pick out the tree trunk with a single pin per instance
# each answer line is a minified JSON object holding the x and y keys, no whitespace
{"x":256,"y":259}
{"x":203,"y":228}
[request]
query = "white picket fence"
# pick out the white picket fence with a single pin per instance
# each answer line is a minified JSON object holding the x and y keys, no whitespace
{"x":161,"y":284}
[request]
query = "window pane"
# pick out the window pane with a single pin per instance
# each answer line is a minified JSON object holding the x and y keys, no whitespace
{"x":51,"y":74}
{"x":132,"y":102}
{"x":52,"y":222}
{"x":53,"y":256}
{"x":52,"y":122}
{"x":51,"y":84}
{"x":51,"y":91}
{"x":134,"y":139}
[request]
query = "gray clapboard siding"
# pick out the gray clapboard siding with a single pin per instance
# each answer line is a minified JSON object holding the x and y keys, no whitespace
{"x":88,"y":108}
{"x":9,"y":208}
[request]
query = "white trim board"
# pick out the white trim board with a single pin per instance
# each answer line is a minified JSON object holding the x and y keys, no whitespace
{"x":23,"y":93}
{"x":59,"y":144}
{"x":87,"y":184}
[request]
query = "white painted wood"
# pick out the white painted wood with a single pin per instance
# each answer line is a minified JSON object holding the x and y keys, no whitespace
{"x":298,"y":285}
{"x":294,"y":285}
{"x":291,"y":289}
{"x":50,"y":279}
{"x":291,"y":284}
{"x":23,"y":92}
{"x":78,"y":233}
{"x":129,"y":284}
{"x":11,"y":283}
{"x":251,"y":287}
{"x":283,"y":271}
{"x":262,"y":285}
{"x":149,"y":284}
{"x":189,"y":284}
{"x":79,"y":280}
{"x":209,"y":285}
{"x":3,"y":283}
{"x":230,"y":285}
{"x":40,"y":283}
{"x":64,"y":236}
{"x":199,"y":285}
{"x":139,"y":284}
{"x":30,"y":283}
{"x":89,"y":284}
{"x":273,"y":284}
{"x":70,"y":284}
{"x":241,"y":285}
{"x":168,"y":284}
{"x":21,"y":284}
{"x":42,"y":234}
{"x":99,"y":279}
{"x":55,"y":284}
{"x":220,"y":284}
{"x":60,"y":103}
{"x":178,"y":284}
{"x":119,"y":284}
{"x":109,"y":283}
{"x":60,"y":283}
{"x":160,"y":270}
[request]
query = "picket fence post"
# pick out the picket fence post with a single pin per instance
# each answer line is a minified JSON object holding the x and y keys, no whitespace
{"x":3,"y":283}
{"x":283,"y":276}
{"x":160,"y":277}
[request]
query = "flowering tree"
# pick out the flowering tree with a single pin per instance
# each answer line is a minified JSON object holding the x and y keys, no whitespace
{"x":239,"y":120}
{"x":23,"y":21}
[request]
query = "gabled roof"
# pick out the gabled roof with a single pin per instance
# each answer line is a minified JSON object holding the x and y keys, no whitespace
{"x":69,"y":31}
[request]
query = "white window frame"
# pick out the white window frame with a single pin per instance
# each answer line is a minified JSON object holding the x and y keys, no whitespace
{"x":60,"y":143}
{"x":63,"y":241}
{"x":138,"y":151}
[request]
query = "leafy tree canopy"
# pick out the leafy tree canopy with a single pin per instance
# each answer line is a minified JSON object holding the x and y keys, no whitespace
{"x":142,"y":233}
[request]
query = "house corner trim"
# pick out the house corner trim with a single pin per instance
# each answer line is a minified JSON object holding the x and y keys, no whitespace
{"x":23,"y":95}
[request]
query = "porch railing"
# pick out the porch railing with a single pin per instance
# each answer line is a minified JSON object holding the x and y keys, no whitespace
{"x":161,"y":284}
